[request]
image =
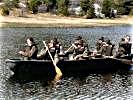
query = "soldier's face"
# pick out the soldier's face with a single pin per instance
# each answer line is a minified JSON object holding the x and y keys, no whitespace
{"x":29,"y":42}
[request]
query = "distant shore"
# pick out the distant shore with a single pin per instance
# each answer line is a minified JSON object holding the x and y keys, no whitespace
{"x":48,"y":20}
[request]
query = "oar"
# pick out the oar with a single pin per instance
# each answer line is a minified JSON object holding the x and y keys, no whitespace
{"x":58,"y":71}
{"x":69,"y":48}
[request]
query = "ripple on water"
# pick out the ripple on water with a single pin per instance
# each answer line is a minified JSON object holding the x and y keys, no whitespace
{"x":92,"y":87}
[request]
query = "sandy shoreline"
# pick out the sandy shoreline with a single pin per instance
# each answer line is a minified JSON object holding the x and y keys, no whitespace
{"x":47,"y":20}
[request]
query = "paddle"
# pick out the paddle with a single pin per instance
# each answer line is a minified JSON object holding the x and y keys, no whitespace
{"x":69,"y":48}
{"x":58,"y":71}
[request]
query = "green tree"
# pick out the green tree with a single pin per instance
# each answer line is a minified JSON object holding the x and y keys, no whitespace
{"x":12,"y":3}
{"x":33,"y":5}
{"x":85,"y":5}
{"x":106,"y":7}
{"x":90,"y":11}
{"x":50,"y":4}
{"x":63,"y":7}
{"x":131,"y":12}
{"x":4,"y":11}
{"x":15,"y":3}
{"x":120,"y":6}
{"x":131,"y":8}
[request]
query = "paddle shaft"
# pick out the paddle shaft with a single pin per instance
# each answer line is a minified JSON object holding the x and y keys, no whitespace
{"x":69,"y":48}
{"x":58,"y":71}
{"x":48,"y":51}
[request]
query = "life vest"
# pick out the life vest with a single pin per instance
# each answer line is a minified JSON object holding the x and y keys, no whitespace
{"x":34,"y":55}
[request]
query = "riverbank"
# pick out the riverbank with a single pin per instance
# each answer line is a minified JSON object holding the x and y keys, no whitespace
{"x":48,"y":20}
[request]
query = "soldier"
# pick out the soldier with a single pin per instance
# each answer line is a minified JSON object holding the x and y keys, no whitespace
{"x":54,"y":47}
{"x":31,"y":49}
{"x":79,"y":49}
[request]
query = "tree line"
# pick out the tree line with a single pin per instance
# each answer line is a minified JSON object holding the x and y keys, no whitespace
{"x":62,"y":6}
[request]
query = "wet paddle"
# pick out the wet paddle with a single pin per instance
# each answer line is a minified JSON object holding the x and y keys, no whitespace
{"x":58,"y":71}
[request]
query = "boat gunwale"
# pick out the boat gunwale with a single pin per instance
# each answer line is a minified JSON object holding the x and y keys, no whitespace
{"x":35,"y":60}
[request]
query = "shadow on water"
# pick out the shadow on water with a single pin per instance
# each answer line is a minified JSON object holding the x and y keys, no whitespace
{"x":93,"y":86}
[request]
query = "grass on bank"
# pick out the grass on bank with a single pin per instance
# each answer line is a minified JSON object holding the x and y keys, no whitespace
{"x":54,"y":25}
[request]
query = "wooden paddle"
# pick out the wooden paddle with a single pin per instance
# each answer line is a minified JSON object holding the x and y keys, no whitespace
{"x":69,"y":48}
{"x":58,"y":71}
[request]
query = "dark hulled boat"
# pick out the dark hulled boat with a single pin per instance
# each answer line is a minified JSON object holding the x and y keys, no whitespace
{"x":31,"y":69}
{"x":96,"y":65}
{"x":40,"y":69}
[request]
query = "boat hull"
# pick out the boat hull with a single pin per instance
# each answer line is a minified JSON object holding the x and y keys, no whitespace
{"x":40,"y":69}
{"x":83,"y":67}
{"x":31,"y":70}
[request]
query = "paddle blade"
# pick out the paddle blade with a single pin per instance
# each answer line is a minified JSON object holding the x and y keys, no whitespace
{"x":58,"y":71}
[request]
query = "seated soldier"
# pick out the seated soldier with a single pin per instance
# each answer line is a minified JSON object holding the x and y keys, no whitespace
{"x":78,"y":49}
{"x":99,"y":44}
{"x":104,"y":49}
{"x":81,"y":51}
{"x":128,"y":45}
{"x":54,"y":47}
{"x":122,"y":48}
{"x":109,"y":49}
{"x":30,"y":51}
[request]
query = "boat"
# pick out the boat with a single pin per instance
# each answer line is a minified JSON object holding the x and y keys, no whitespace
{"x":40,"y":69}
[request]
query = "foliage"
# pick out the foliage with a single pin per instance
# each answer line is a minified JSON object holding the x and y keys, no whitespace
{"x":4,"y":11}
{"x":50,"y":4}
{"x":131,"y":12}
{"x":47,"y":2}
{"x":63,"y":7}
{"x":120,"y":6}
{"x":15,"y":3}
{"x":87,"y":7}
{"x":85,"y":4}
{"x":90,"y":13}
{"x":12,"y":3}
{"x":33,"y":5}
{"x":106,"y":7}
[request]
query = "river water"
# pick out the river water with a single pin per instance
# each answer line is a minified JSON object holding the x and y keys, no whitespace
{"x":92,"y":87}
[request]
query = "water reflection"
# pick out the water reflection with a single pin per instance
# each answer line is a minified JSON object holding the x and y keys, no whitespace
{"x":94,"y":86}
{"x":90,"y":87}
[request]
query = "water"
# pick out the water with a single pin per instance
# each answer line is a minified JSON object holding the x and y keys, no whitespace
{"x":92,"y":87}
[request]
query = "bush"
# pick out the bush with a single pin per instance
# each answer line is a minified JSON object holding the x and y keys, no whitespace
{"x":121,"y":10}
{"x":50,"y":5}
{"x":85,"y":5}
{"x":106,"y":7}
{"x":4,"y":11}
{"x":15,"y":3}
{"x":33,"y":5}
{"x":131,"y":12}
{"x":90,"y":12}
{"x":121,"y":7}
{"x":63,"y":7}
